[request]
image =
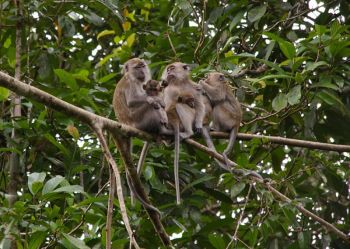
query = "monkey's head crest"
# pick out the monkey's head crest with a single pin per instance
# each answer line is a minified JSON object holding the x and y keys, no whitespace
{"x":215,"y":79}
{"x":137,"y":70}
{"x":176,"y":72}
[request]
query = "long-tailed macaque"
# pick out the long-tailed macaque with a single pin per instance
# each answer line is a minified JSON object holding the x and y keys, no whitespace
{"x":130,"y":102}
{"x":226,"y":113}
{"x":185,"y":108}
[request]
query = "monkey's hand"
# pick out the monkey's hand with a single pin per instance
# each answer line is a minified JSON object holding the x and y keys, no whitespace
{"x":198,"y":129}
{"x":156,"y":105}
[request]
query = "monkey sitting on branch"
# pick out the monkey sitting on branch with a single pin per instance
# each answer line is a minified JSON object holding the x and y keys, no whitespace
{"x":134,"y":107}
{"x":226,"y":110}
{"x":185,"y":108}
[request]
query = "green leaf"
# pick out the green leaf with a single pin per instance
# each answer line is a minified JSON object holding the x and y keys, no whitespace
{"x":130,"y":40}
{"x":311,"y":66}
{"x":36,"y":239}
{"x":51,"y":184}
{"x":8,"y":42}
{"x":287,"y":48}
{"x":35,"y":180}
{"x":279,"y":102}
{"x":148,"y":172}
{"x":72,"y":242}
{"x":256,"y":13}
{"x":198,"y":181}
{"x":217,"y":241}
{"x":237,"y":188}
{"x":104,"y":33}
{"x":107,"y":78}
{"x":331,"y":99}
{"x":4,"y":93}
{"x":325,"y":85}
{"x":294,"y":95}
{"x":82,"y":75}
{"x":57,"y":144}
{"x":67,"y":78}
{"x":70,"y":189}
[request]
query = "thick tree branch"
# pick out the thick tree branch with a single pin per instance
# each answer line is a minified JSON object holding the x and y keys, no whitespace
{"x":117,"y":128}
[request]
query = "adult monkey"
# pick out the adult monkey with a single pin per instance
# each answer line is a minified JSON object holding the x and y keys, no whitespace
{"x":227,"y":112}
{"x":129,"y":101}
{"x":178,"y":95}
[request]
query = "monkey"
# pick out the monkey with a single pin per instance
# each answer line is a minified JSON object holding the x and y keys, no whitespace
{"x":185,"y":108}
{"x":129,"y":100}
{"x":226,"y":110}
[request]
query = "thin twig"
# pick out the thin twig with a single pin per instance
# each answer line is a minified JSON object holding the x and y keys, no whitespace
{"x":202,"y":35}
{"x":240,"y":218}
{"x":87,"y":209}
{"x":109,"y":217}
{"x":113,"y":164}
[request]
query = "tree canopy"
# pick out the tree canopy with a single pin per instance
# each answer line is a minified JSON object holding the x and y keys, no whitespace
{"x":288,"y":64}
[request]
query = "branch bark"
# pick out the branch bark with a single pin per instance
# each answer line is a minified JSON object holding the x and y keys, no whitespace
{"x":287,"y":141}
{"x":117,"y":128}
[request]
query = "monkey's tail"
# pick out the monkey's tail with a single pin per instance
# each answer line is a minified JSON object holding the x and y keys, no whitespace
{"x":140,"y":165}
{"x":176,"y":163}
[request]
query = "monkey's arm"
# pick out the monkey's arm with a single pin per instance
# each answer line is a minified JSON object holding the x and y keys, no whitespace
{"x":135,"y":98}
{"x":200,"y":111}
{"x":214,"y":94}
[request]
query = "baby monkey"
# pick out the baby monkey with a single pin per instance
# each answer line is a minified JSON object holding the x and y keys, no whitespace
{"x":226,"y":110}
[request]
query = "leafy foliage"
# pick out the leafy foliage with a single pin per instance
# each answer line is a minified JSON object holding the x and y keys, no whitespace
{"x":75,"y":49}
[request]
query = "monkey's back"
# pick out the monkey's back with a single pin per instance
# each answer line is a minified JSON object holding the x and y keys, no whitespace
{"x":119,"y":103}
{"x":228,"y":114}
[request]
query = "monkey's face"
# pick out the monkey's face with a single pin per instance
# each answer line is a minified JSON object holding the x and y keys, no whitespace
{"x":137,"y":69}
{"x":152,"y":88}
{"x":215,"y":79}
{"x":177,"y":71}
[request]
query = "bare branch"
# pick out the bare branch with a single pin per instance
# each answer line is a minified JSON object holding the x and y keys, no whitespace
{"x":287,"y":141}
{"x":114,"y":181}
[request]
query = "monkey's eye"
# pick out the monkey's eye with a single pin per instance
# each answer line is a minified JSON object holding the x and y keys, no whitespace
{"x":140,"y":65}
{"x":186,"y":67}
{"x":221,"y":78}
{"x":170,"y":68}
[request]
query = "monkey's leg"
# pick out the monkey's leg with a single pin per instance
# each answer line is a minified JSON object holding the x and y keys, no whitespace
{"x":229,"y":147}
{"x":176,"y":162}
{"x":207,"y":138}
{"x":211,"y":146}
{"x":186,"y":116}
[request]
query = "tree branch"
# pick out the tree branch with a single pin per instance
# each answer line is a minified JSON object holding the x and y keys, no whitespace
{"x":287,"y":141}
{"x":114,"y":181}
{"x":117,"y":128}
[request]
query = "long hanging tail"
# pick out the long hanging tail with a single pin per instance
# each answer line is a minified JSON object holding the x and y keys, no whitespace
{"x":176,"y":163}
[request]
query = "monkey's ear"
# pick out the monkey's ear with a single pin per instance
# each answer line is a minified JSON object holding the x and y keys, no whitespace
{"x":144,"y":86}
{"x":125,"y":68}
{"x":186,"y":67}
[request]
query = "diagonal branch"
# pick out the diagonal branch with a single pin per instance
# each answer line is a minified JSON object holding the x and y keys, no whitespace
{"x":117,"y":128}
{"x":114,"y":181}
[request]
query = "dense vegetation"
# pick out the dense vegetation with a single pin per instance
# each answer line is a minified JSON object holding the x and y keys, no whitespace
{"x":289,"y":64}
